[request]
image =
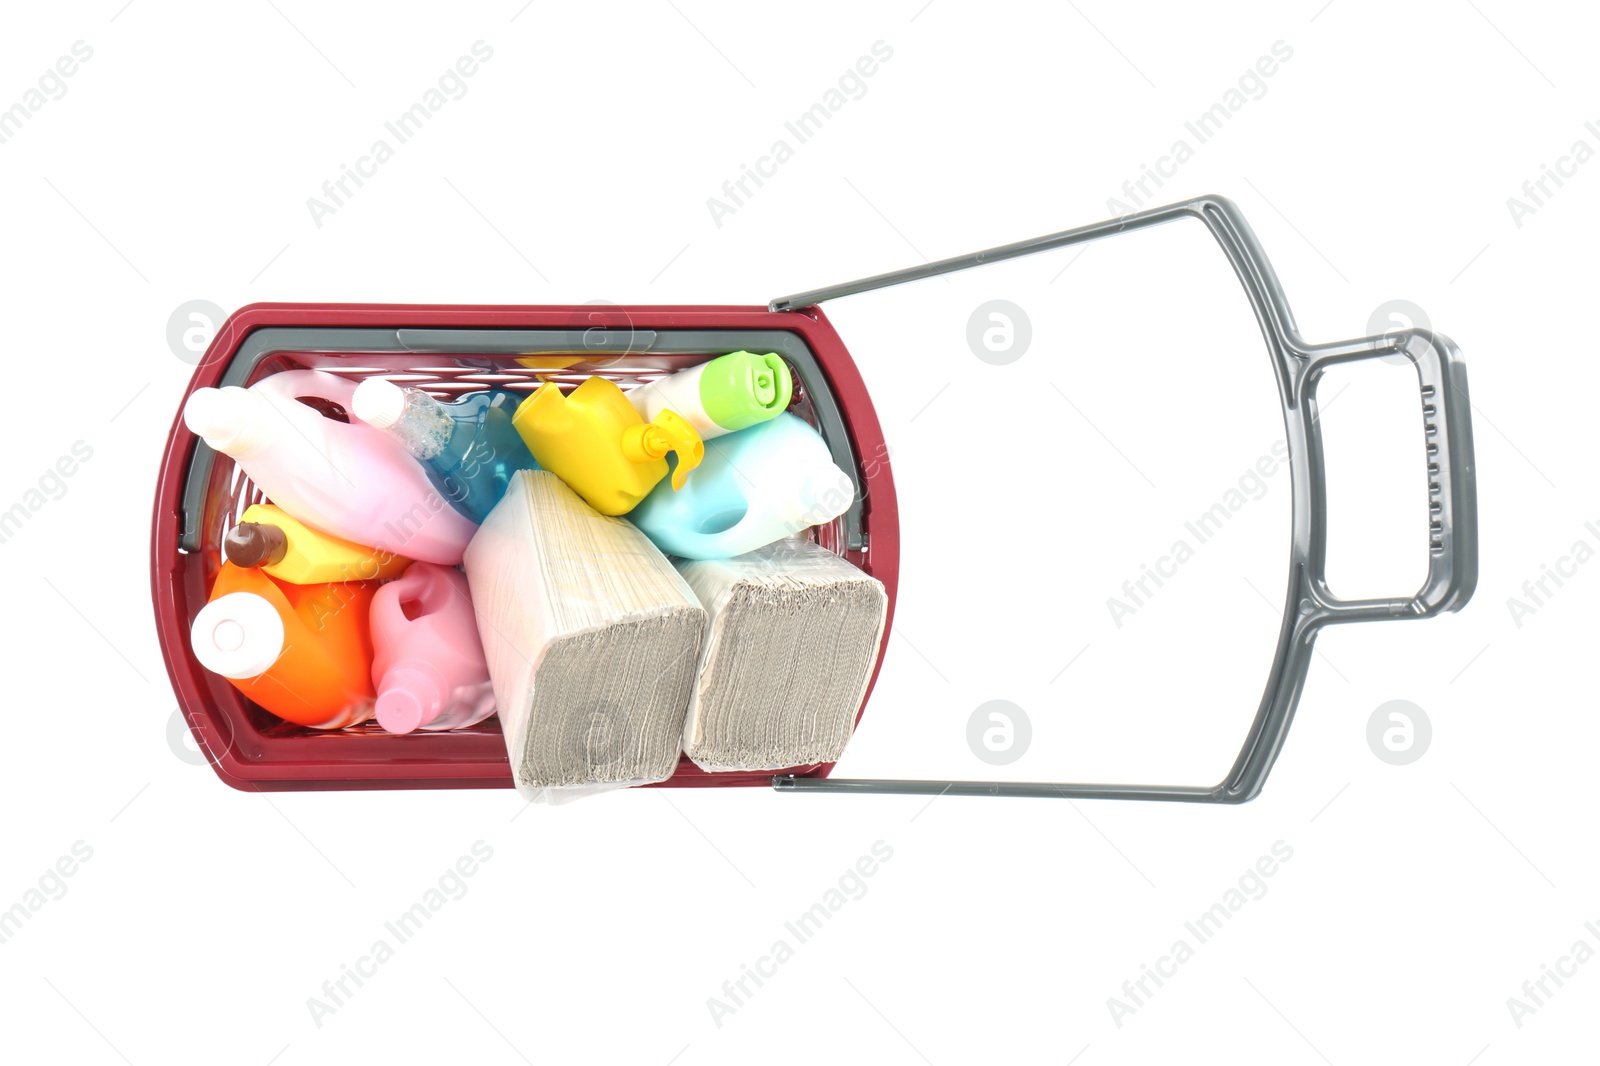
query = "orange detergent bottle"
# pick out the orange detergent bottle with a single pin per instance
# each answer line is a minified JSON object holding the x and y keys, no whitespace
{"x":303,"y":652}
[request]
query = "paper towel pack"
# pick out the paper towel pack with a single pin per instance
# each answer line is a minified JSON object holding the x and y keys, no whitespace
{"x":793,"y":638}
{"x":592,"y":639}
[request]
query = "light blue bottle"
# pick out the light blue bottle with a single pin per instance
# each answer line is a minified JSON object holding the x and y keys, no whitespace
{"x":754,"y":487}
{"x":469,"y":448}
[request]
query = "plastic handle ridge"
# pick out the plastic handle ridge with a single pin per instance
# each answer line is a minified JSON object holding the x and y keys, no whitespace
{"x":1452,"y":495}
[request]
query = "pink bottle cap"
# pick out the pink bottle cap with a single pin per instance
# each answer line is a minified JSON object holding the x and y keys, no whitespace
{"x":410,"y":696}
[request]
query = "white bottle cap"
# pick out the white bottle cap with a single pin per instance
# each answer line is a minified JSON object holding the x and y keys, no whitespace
{"x":239,"y":635}
{"x":826,"y":492}
{"x":227,"y":418}
{"x":379,"y":402}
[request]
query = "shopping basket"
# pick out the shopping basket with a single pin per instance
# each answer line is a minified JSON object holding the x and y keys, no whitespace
{"x":448,"y":350}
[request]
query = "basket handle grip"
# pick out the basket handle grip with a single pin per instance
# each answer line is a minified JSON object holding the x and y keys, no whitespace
{"x":1452,"y":494}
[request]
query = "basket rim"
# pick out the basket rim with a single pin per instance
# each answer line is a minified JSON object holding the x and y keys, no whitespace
{"x":174,"y":571}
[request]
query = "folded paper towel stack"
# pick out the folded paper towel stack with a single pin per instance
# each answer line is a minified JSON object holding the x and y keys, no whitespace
{"x":592,"y":640}
{"x":793,"y":637}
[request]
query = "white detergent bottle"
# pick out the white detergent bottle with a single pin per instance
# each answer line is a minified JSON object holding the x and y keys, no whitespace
{"x":729,"y":393}
{"x":346,"y":479}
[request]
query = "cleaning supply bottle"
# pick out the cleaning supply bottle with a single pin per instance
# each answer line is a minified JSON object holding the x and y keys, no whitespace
{"x":756,"y":486}
{"x":596,"y":442}
{"x":468,"y":448}
{"x":286,"y":548}
{"x":346,"y":479}
{"x":729,"y":393}
{"x":303,"y":652}
{"x":428,"y":665}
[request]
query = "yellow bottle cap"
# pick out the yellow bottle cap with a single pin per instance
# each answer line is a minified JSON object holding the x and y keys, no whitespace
{"x":677,"y":435}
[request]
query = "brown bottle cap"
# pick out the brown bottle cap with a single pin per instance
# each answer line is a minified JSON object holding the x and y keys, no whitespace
{"x":253,"y":544}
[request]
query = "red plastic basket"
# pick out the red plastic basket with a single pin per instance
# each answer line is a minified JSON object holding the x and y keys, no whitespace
{"x":448,"y":350}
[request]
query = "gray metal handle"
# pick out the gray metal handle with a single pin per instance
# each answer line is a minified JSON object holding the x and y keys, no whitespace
{"x":1452,"y":487}
{"x":1453,"y":513}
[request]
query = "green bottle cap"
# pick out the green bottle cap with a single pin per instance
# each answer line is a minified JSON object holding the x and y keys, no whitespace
{"x":741,"y":389}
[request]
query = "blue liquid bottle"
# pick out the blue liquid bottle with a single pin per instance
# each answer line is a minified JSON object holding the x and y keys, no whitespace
{"x":469,"y":448}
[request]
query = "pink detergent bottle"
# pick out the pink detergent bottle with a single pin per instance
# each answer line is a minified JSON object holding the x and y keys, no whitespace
{"x":428,"y":664}
{"x":346,"y":479}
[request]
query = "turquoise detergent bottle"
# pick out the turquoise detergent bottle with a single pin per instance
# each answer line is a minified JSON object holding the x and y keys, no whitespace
{"x":754,"y":487}
{"x":469,"y":448}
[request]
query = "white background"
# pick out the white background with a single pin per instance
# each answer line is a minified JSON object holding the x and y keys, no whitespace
{"x":1376,"y":165}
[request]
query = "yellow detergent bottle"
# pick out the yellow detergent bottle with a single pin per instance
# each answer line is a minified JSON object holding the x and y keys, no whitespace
{"x":595,"y":441}
{"x":548,"y":366}
{"x":282,"y":546}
